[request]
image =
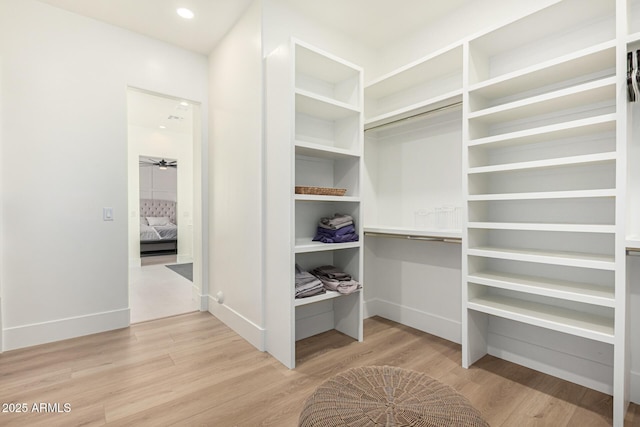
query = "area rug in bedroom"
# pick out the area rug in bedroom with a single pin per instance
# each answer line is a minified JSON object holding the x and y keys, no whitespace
{"x":185,"y":270}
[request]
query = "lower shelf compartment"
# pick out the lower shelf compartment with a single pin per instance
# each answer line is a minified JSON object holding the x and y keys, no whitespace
{"x":559,"y":319}
{"x":322,"y":297}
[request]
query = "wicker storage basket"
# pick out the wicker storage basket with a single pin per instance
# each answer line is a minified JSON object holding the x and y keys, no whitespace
{"x":321,"y":191}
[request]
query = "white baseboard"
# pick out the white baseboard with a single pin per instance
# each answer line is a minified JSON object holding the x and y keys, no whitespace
{"x":634,"y":392}
{"x":430,"y":323}
{"x":201,"y":301}
{"x":62,"y":329}
{"x":570,"y":367}
{"x":240,"y":324}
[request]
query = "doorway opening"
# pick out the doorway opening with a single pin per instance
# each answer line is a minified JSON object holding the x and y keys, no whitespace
{"x":163,"y":157}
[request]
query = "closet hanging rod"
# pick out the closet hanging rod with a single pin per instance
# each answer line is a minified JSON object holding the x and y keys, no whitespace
{"x":424,"y":113}
{"x":414,"y":237}
{"x":633,"y":251}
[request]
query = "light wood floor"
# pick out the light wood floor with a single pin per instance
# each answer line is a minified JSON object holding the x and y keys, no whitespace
{"x":193,"y":370}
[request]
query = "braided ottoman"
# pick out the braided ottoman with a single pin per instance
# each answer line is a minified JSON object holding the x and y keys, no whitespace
{"x":387,"y":396}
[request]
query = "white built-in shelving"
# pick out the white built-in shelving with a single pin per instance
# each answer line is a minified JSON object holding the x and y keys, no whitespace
{"x":412,"y":193}
{"x":429,"y":83}
{"x":543,"y":171}
{"x":413,"y":146}
{"x":314,"y":134}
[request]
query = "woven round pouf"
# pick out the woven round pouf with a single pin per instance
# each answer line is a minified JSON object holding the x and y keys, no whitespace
{"x":387,"y":396}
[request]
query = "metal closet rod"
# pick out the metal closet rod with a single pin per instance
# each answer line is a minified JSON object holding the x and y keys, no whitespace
{"x":414,"y":237}
{"x":424,"y":113}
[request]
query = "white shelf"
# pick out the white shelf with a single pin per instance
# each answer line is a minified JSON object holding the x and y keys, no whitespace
{"x":576,"y":96}
{"x":576,"y":228}
{"x":538,"y":164}
{"x":544,"y":118}
{"x":317,"y":298}
{"x":417,"y":232}
{"x":442,"y":62}
{"x":632,"y":38}
{"x":323,"y":65}
{"x":313,"y":134}
{"x":322,"y":107}
{"x":632,"y":242}
{"x":318,"y":198}
{"x":553,"y":32}
{"x":591,"y":125}
{"x":307,"y":245}
{"x":431,"y":104}
{"x":577,"y":194}
{"x":583,"y":62}
{"x":547,"y":316}
{"x":570,"y":259}
{"x":311,"y":149}
{"x":327,"y":75}
{"x":562,"y":289}
{"x":424,"y":84}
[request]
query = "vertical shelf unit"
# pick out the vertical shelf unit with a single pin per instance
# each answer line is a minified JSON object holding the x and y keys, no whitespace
{"x":411,"y":114}
{"x":632,"y":37}
{"x":544,"y":165}
{"x":413,"y":193}
{"x":314,"y":138}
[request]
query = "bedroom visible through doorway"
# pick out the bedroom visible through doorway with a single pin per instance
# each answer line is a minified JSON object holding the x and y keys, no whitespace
{"x":161,"y":204}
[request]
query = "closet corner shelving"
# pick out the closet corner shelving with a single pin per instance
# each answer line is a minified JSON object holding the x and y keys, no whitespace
{"x":411,"y":114}
{"x":314,"y":138}
{"x":543,"y":237}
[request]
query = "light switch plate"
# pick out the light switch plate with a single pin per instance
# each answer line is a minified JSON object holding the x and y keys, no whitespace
{"x":107,"y":214}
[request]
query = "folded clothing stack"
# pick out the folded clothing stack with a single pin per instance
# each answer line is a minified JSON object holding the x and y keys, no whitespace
{"x":307,"y":285}
{"x":337,"y":229}
{"x":334,"y":279}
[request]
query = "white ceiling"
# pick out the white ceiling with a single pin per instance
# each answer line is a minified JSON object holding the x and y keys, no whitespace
{"x":375,"y":23}
{"x":158,"y":18}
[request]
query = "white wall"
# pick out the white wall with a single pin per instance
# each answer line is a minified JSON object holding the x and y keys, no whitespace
{"x":281,"y":23}
{"x":65,"y":77}
{"x":178,"y":146}
{"x":235,"y":160}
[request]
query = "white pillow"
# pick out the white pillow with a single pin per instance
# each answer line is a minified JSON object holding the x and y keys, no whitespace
{"x":158,"y":220}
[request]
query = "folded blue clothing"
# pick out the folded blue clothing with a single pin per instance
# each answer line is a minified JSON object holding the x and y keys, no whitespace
{"x":338,"y":232}
{"x":351,"y":237}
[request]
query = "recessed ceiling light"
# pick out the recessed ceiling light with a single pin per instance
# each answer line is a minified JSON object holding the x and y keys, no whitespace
{"x":184,"y":104}
{"x":185,"y":13}
{"x":162,"y":127}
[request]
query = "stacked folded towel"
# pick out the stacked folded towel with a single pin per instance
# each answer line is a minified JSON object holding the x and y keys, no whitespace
{"x":337,"y":229}
{"x":307,"y":284}
{"x":334,"y":279}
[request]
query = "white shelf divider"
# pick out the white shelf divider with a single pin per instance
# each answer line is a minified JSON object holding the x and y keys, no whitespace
{"x":572,"y":322}
{"x":547,"y":163}
{"x":328,"y":295}
{"x":575,"y":96}
{"x":562,"y":289}
{"x":311,"y":149}
{"x":577,"y":194}
{"x":575,"y":228}
{"x":570,"y":259}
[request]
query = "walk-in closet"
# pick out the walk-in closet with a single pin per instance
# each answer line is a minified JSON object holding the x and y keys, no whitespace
{"x":494,"y":185}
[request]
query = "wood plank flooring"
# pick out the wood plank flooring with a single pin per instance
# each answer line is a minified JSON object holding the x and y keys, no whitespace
{"x":192,"y":370}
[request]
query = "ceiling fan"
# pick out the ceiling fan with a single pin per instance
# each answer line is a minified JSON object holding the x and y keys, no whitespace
{"x":162,"y":164}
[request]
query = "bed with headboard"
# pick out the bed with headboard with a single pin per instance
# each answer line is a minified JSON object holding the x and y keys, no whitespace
{"x":158,"y":227}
